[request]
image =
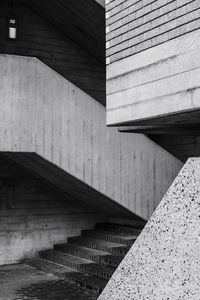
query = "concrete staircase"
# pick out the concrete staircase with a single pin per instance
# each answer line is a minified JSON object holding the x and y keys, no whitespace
{"x":89,"y":260}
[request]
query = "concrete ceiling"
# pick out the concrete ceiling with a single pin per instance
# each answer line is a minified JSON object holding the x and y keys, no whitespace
{"x":81,"y":20}
{"x":101,"y":2}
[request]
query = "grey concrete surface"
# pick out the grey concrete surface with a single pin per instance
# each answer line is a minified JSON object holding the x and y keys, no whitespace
{"x":21,"y":282}
{"x":164,"y":262}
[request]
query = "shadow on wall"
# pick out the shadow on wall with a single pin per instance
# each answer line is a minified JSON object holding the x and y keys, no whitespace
{"x":80,"y":192}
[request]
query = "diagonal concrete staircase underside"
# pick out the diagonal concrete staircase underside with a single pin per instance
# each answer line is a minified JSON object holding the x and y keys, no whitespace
{"x":44,"y":114}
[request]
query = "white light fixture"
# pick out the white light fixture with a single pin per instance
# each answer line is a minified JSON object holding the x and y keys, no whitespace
{"x":12,"y":28}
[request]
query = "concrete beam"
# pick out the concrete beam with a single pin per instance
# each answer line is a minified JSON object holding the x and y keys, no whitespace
{"x":169,"y":130}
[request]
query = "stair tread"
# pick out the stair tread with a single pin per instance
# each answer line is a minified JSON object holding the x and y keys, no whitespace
{"x":70,"y":257}
{"x":132,"y":227}
{"x":69,"y":272}
{"x":90,"y":250}
{"x":60,"y":268}
{"x":114,"y":234}
{"x":87,"y":266}
{"x":98,"y":256}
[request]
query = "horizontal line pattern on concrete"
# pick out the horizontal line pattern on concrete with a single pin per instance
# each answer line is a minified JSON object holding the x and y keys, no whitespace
{"x":145,"y":24}
{"x":157,"y":40}
{"x":132,"y":10}
{"x":148,"y":22}
{"x":131,"y":14}
{"x":135,"y":37}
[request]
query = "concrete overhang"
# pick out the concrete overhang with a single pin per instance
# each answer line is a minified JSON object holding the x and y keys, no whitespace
{"x":158,"y":86}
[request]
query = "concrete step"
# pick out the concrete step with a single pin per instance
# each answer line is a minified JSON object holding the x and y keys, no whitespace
{"x":49,"y":267}
{"x":110,"y":236}
{"x":98,"y":270}
{"x":113,"y":248}
{"x":70,"y":275}
{"x":118,"y":228}
{"x":90,"y":254}
{"x":79,"y":264}
{"x":130,"y":222}
{"x":64,"y":259}
{"x":83,"y":252}
{"x":111,"y":260}
{"x":89,"y":260}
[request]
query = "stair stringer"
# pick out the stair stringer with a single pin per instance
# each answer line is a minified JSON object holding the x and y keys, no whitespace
{"x":43,"y":113}
{"x":80,"y":192}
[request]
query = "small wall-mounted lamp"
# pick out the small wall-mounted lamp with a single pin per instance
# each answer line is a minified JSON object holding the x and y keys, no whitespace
{"x":12,"y":28}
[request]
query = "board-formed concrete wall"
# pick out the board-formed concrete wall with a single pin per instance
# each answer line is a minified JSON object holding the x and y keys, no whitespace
{"x":164,"y":262}
{"x":42,"y":112}
{"x":40,"y":38}
{"x":34,"y":215}
{"x":133,"y":26}
{"x":161,"y":81}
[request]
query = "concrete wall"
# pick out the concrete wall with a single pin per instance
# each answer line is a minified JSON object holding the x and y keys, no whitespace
{"x":42,"y":39}
{"x":34,"y":215}
{"x":158,"y":82}
{"x":134,"y":26}
{"x":42,"y":112}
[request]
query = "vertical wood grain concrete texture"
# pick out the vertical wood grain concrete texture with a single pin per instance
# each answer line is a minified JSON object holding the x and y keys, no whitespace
{"x":42,"y":112}
{"x":42,"y":39}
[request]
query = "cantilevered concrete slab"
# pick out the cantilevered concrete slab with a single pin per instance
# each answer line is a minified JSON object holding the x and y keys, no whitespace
{"x":164,"y":262}
{"x":156,"y":86}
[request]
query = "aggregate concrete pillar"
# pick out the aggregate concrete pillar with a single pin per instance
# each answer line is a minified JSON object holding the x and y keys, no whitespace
{"x":164,"y":262}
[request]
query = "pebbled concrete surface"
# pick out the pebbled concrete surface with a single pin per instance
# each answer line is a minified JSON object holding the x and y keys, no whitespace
{"x":164,"y":262}
{"x":21,"y":282}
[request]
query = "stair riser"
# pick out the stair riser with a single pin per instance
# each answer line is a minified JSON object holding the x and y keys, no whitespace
{"x":120,"y":230}
{"x":67,"y":277}
{"x":59,"y":259}
{"x":96,"y":273}
{"x":114,"y":250}
{"x":104,"y":260}
{"x":108,"y":238}
{"x":109,"y":262}
{"x":83,"y":284}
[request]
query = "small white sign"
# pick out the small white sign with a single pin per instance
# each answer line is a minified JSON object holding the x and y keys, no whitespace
{"x":12,"y":33}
